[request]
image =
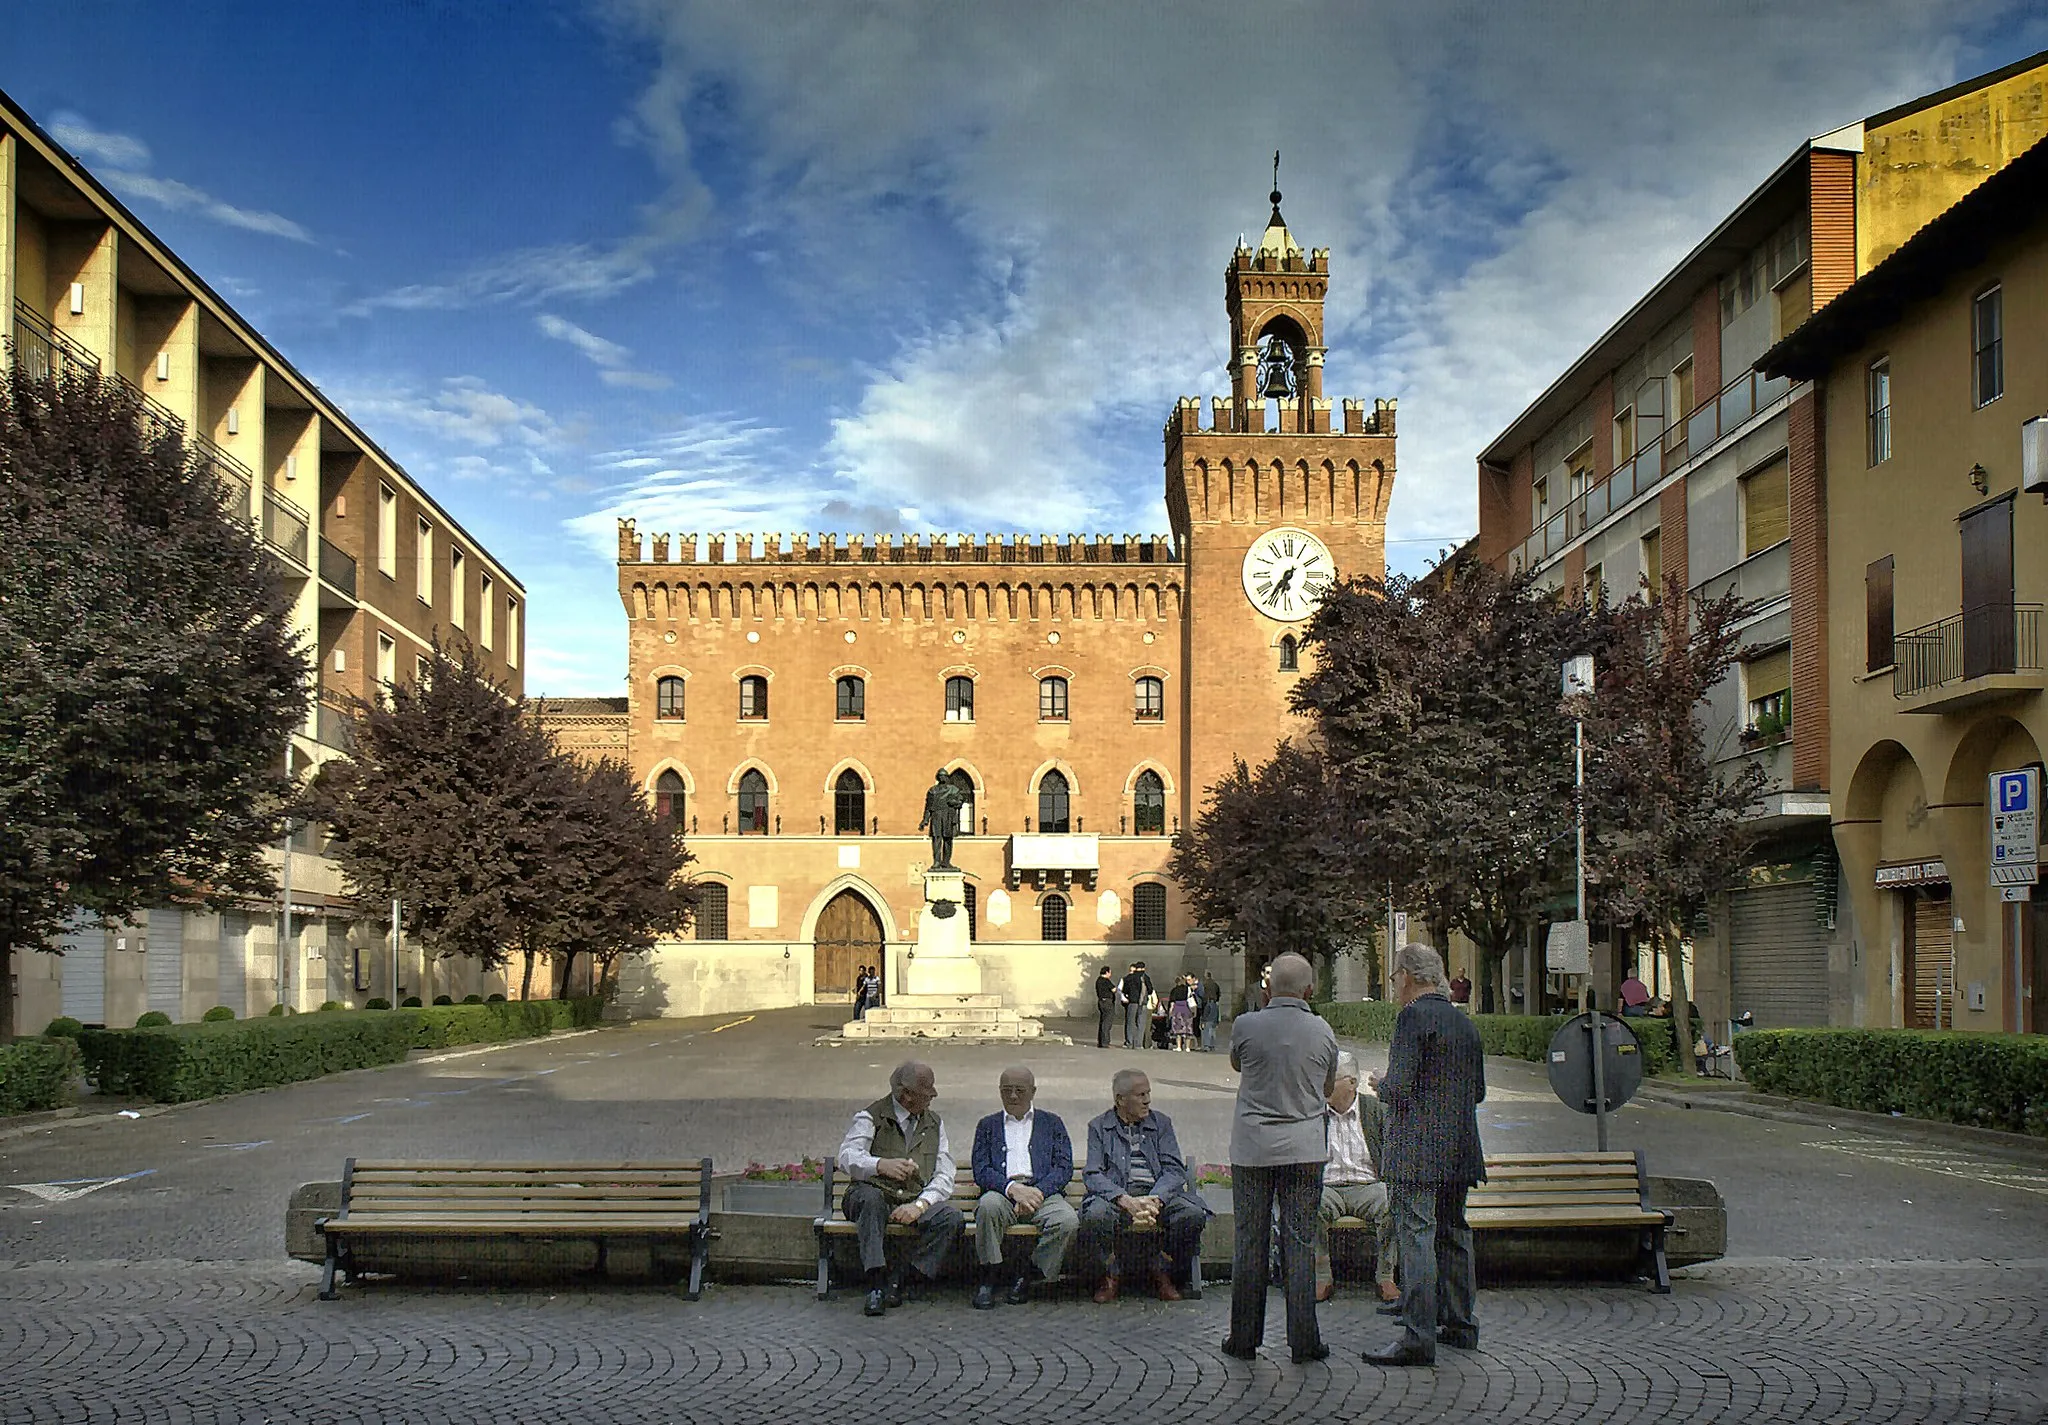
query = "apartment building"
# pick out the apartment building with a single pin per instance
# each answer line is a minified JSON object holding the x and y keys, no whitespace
{"x":374,"y":567}
{"x":1662,"y":454}
{"x":1931,"y":373}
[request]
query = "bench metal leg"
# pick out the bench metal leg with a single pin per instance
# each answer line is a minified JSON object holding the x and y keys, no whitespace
{"x":1195,"y":1275}
{"x":700,"y":1252}
{"x":824,"y":1266}
{"x":1661,"y":1269}
{"x":327,"y":1291}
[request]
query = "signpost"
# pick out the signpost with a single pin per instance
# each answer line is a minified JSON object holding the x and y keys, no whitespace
{"x":2015,"y":860}
{"x":1596,"y":1064}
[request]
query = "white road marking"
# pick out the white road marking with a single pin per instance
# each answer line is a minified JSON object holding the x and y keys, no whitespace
{"x":1938,"y":1160}
{"x":76,"y":1187}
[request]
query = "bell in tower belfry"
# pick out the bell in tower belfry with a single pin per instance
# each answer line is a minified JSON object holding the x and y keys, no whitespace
{"x":1276,"y":368}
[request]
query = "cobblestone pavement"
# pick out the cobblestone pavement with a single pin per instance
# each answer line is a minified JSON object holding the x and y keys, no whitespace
{"x":1741,"y":1341}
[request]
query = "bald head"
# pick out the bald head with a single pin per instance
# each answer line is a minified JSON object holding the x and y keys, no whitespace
{"x":1293,"y":976}
{"x":1017,"y":1087}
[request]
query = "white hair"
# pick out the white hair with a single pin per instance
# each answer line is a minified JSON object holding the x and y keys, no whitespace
{"x":1347,"y":1065}
{"x":1421,"y":963}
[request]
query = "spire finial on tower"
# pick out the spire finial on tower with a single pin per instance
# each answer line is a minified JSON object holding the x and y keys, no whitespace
{"x":1275,"y":194}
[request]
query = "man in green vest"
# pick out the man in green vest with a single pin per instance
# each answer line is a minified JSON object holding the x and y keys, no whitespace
{"x":901,"y":1164}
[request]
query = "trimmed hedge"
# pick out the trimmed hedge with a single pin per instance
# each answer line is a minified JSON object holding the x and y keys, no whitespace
{"x":37,"y":1073}
{"x":182,"y":1062}
{"x":1511,"y":1036}
{"x":1952,"y":1076}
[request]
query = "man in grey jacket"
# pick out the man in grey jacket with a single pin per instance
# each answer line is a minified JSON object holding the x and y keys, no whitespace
{"x":1435,"y":1081}
{"x":1288,"y":1059}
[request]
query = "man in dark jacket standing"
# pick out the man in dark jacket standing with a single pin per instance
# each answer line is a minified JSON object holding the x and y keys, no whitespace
{"x":1137,"y":995}
{"x":1435,"y":1081}
{"x":1105,"y":1007}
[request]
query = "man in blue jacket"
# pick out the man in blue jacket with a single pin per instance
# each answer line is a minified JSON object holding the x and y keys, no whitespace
{"x":1139,"y":1192}
{"x":1023,"y":1161}
{"x":1435,"y":1081}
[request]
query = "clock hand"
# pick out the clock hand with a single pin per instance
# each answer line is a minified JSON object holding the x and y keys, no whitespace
{"x":1286,"y":579}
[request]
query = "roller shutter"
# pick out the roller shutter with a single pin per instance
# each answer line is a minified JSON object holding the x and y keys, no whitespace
{"x":234,"y":961}
{"x":1778,"y":956}
{"x":1927,"y":967}
{"x":164,"y":962}
{"x":84,"y":984}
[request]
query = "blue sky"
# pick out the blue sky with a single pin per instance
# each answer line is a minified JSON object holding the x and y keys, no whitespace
{"x":907,"y":265}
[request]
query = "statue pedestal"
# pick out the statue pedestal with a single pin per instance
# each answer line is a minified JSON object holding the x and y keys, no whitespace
{"x":943,"y":963}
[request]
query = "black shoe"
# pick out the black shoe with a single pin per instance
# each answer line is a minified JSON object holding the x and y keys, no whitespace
{"x":1402,"y":1355}
{"x":1388,"y":1308}
{"x":1019,"y":1292}
{"x":1460,"y":1340}
{"x":892,"y":1295}
{"x":1242,"y":1353}
{"x":874,"y":1305}
{"x":984,"y":1297}
{"x":1317,"y":1352}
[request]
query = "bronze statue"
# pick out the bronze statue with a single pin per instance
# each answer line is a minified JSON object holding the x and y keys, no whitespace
{"x":942,"y":803}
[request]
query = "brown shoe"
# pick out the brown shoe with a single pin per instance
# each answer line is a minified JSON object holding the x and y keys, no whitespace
{"x":1162,"y":1283}
{"x":1389,"y":1292}
{"x":1106,"y":1293}
{"x":1326,"y":1291}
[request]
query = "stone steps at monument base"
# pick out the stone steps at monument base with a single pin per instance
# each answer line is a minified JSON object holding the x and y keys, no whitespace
{"x":976,"y":1014}
{"x":909,"y":1001}
{"x":1010,"y":1027}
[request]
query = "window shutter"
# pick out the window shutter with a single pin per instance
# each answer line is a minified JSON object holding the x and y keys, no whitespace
{"x":1766,"y":513}
{"x":1878,"y":623}
{"x":1767,"y":673}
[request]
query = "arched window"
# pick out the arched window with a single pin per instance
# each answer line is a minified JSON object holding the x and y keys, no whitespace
{"x":753,"y":803}
{"x":1148,"y":805}
{"x":853,"y":699}
{"x":1151,"y":700}
{"x":1052,"y":918}
{"x":849,"y":804}
{"x":668,"y":700}
{"x":1290,"y":654}
{"x":1052,"y":803}
{"x":753,"y":698}
{"x":1148,"y":911}
{"x":965,"y":785}
{"x":668,"y":799}
{"x":959,"y":700}
{"x":1052,"y":699}
{"x":711,"y":902}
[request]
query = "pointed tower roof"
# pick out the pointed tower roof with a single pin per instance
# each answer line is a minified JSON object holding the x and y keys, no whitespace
{"x":1276,"y":238}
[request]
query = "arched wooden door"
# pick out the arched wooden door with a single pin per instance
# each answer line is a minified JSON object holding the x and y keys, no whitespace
{"x":849,"y":936}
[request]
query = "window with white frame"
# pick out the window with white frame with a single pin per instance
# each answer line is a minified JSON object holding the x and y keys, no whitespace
{"x":1878,"y":404}
{"x":485,"y":588}
{"x":1987,"y":343}
{"x":458,"y":602}
{"x":511,"y":633}
{"x":387,"y":659}
{"x":387,"y":531}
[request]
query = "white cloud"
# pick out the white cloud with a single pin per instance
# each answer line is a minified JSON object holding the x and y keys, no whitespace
{"x":122,"y":156}
{"x":575,"y":271}
{"x":614,"y":360}
{"x":1496,"y":185}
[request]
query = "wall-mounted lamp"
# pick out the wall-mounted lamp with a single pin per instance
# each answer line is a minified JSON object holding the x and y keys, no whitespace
{"x":785,"y":952}
{"x":163,"y":366}
{"x":291,"y":467}
{"x":1981,"y":478}
{"x":234,"y":421}
{"x":77,"y":299}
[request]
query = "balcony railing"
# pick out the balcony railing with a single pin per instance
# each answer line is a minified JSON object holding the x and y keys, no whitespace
{"x":285,"y":527}
{"x":331,"y":721}
{"x":158,"y":419}
{"x":1739,"y":400}
{"x":1969,"y":645}
{"x":337,"y":567}
{"x":43,"y":349}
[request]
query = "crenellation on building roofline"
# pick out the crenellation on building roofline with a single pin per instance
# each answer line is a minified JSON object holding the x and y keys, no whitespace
{"x":723,"y":550}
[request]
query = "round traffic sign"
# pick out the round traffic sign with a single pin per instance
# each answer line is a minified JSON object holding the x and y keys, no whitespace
{"x":1571,"y":1062}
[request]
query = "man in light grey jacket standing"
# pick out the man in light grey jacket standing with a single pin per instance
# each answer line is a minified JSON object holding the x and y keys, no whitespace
{"x":1287,"y":1057}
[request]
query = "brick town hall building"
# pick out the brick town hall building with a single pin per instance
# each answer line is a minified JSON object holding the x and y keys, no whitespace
{"x":791,"y":702}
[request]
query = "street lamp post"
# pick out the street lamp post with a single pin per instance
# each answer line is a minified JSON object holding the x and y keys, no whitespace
{"x":1578,"y":682}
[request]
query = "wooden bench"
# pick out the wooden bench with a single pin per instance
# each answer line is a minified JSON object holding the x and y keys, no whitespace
{"x":1552,"y":1193}
{"x":467,"y":1201}
{"x":832,"y":1226}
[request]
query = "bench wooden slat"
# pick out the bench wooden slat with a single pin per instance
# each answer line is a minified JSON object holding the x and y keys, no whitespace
{"x":407,"y":1192}
{"x":366,"y":1167}
{"x":681,"y":1211}
{"x":1562,"y":1217}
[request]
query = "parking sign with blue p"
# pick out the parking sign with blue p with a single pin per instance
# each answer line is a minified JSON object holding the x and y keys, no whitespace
{"x":2015,"y":827}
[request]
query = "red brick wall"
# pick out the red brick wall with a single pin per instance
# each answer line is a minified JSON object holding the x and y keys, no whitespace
{"x":1672,"y":546}
{"x":1706,"y":350}
{"x":1807,"y":460}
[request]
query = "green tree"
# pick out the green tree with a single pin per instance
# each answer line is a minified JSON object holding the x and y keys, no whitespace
{"x":1437,"y":706}
{"x":149,"y":675}
{"x":1265,"y":860}
{"x":1666,"y":824}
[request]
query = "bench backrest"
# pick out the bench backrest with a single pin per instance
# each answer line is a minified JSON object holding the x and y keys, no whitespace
{"x":371,"y":1187}
{"x":1524,"y":1180}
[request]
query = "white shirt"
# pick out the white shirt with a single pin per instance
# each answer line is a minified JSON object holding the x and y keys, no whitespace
{"x":1017,"y":1146}
{"x":1350,"y":1162}
{"x":857,"y":1160}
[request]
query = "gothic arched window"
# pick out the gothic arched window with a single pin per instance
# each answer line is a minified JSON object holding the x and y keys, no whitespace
{"x":852,"y":699}
{"x":668,"y":799}
{"x":1053,"y":803}
{"x":753,"y":803}
{"x":1148,"y":804}
{"x":1052,"y":918}
{"x":849,"y":804}
{"x":1290,"y":654}
{"x":964,"y":784}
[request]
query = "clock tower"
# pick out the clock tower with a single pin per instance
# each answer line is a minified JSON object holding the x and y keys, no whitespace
{"x":1271,"y":501}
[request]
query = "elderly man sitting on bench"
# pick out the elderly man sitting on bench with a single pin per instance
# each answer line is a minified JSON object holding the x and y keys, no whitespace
{"x":1138,"y":1186}
{"x":1023,"y":1161}
{"x":1351,"y":1179}
{"x":902,"y":1169}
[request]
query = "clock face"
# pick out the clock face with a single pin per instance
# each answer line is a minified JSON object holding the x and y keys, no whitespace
{"x":1286,"y":572}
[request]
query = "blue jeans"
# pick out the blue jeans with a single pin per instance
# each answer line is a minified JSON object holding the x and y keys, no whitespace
{"x":1435,"y":1250}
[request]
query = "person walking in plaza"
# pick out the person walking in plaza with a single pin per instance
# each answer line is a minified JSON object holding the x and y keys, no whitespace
{"x":1105,"y":1007}
{"x":1352,"y":1186}
{"x":901,"y":1163}
{"x":1139,"y":1192}
{"x":1212,"y":1012}
{"x":1023,"y":1161}
{"x":1287,"y":1057}
{"x":1433,"y":1086}
{"x":1137,"y":997}
{"x":1180,"y":1028}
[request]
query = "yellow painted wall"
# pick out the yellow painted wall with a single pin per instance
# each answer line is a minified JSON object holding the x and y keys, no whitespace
{"x":1918,"y":165}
